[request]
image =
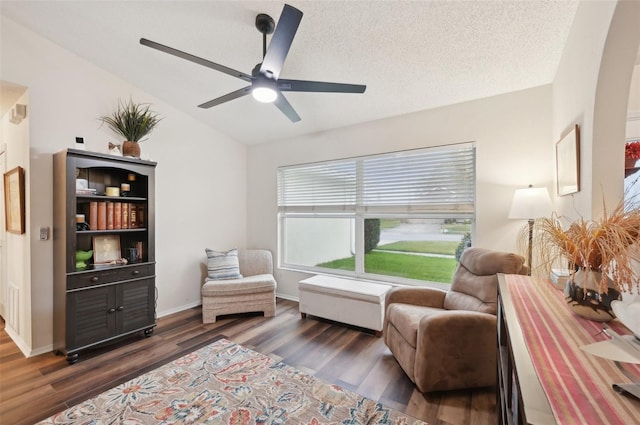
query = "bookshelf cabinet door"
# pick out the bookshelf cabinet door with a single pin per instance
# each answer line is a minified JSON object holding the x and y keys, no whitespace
{"x":91,"y":316}
{"x":136,"y":305}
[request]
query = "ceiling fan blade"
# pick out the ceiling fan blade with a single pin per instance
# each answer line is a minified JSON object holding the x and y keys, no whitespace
{"x":195,"y":59}
{"x":281,"y":41}
{"x":283,"y":104}
{"x":227,"y":97}
{"x":319,"y":86}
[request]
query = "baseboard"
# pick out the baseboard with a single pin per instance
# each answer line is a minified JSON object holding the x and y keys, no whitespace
{"x":179,"y":309}
{"x":41,"y":350}
{"x":287,"y":297}
{"x":17,"y":340}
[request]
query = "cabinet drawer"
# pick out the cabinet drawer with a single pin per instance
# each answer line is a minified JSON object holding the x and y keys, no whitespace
{"x":116,"y":274}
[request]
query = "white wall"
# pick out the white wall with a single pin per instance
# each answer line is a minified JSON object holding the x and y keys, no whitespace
{"x":632,"y":130}
{"x":634,"y":90}
{"x":511,"y":132}
{"x":15,"y":137}
{"x":591,"y":89}
{"x":200,"y":178}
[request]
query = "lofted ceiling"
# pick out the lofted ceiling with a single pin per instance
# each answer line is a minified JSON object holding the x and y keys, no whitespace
{"x":412,"y":55}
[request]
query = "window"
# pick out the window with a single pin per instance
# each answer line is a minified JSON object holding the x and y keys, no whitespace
{"x":400,"y":217}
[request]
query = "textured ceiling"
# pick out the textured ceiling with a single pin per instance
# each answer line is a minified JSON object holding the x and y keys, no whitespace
{"x":412,"y":55}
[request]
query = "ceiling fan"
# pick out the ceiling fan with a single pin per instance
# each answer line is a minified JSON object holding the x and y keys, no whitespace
{"x":266,"y":84}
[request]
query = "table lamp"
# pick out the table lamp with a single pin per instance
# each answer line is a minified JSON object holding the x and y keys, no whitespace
{"x":529,"y":204}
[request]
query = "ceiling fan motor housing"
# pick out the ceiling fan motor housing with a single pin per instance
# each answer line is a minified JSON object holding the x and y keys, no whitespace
{"x":265,"y":23}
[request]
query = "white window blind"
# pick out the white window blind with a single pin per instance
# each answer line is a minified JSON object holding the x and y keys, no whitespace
{"x":432,"y":180}
{"x":323,"y":184}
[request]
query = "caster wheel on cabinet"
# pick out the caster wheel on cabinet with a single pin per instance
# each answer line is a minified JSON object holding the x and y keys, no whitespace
{"x":72,"y":358}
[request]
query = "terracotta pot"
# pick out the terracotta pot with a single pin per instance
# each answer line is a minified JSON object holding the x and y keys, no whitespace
{"x":581,"y":293}
{"x":131,"y":149}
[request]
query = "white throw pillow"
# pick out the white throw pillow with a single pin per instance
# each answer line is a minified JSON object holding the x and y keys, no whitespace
{"x":222,"y":265}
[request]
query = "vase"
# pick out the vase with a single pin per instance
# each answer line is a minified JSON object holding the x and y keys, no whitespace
{"x":131,"y":149}
{"x":581,"y":293}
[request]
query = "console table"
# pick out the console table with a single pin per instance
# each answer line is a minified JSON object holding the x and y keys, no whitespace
{"x":544,"y":378}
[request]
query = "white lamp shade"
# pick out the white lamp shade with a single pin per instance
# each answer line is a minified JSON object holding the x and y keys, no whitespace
{"x":532,"y":202}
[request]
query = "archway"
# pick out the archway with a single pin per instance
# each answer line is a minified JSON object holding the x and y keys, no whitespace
{"x":611,"y":103}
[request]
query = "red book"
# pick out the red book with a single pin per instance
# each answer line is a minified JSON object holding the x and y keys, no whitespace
{"x":102,"y":215}
{"x":93,"y":215}
{"x":117,"y":215}
{"x":141,"y":216}
{"x":110,"y":218}
{"x":125,"y":215}
{"x":140,"y":253}
{"x":133,"y":216}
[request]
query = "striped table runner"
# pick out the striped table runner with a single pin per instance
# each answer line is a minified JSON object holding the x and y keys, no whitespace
{"x":577,"y":384}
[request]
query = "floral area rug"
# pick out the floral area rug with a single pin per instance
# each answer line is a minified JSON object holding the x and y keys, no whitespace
{"x":225,"y":383}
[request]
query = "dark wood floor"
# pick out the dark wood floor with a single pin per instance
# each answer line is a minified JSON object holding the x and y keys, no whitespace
{"x":32,"y":389}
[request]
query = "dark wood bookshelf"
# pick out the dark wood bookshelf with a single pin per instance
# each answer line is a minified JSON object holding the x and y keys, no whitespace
{"x":101,"y":303}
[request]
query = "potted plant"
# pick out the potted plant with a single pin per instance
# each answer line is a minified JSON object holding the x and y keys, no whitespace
{"x":632,"y":151}
{"x":631,"y":156}
{"x":600,"y":253}
{"x":133,"y":121}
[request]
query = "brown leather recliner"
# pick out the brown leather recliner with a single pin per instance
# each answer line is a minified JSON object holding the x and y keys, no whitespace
{"x":446,"y":340}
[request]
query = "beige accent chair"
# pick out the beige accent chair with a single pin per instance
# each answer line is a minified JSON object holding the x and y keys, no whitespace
{"x":446,"y":340}
{"x":254,"y":292}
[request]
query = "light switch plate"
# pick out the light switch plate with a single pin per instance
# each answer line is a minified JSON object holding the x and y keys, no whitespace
{"x":44,"y":233}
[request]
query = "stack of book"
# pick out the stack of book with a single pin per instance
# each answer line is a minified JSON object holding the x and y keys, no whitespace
{"x":85,"y":191}
{"x":106,"y":215}
{"x":559,"y":277}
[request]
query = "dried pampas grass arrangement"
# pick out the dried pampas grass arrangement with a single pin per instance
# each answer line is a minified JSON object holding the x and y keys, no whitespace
{"x":609,"y":245}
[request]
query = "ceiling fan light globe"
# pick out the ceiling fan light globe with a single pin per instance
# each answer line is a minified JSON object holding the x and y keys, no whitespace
{"x":264,"y":94}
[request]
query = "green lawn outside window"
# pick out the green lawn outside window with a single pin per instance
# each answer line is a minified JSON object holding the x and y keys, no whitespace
{"x":405,"y":263}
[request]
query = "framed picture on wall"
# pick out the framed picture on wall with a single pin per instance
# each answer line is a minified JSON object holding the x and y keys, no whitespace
{"x":568,"y":163}
{"x":14,"y":200}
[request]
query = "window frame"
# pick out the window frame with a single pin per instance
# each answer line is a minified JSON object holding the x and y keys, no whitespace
{"x":359,"y":213}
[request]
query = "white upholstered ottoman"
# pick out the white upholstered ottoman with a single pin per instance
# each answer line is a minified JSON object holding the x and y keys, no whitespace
{"x":350,"y":301}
